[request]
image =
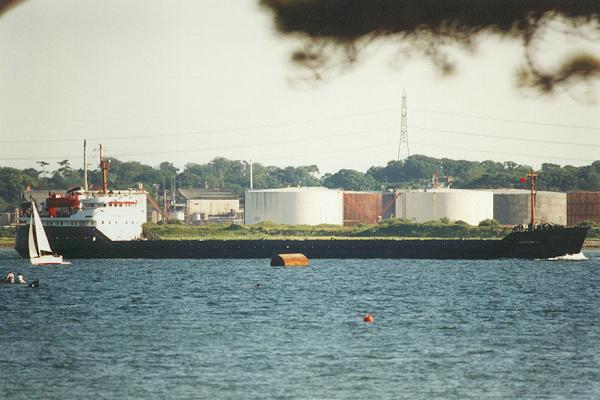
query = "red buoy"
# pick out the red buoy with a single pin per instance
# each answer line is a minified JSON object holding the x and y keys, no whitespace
{"x":368,"y":318}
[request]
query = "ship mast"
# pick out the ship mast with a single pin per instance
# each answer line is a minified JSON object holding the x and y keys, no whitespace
{"x":104,"y":166}
{"x":532,"y":175}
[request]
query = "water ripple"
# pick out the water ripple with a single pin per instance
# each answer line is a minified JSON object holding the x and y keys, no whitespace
{"x":203,"y":329}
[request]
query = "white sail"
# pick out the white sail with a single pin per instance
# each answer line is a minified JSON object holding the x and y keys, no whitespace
{"x":31,"y":242}
{"x":40,"y":235}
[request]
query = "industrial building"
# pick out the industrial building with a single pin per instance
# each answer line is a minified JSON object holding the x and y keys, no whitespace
{"x":362,"y":208}
{"x":583,"y":206}
{"x":39,"y":196}
{"x":208,"y":205}
{"x":513,"y":207}
{"x":471,"y":206}
{"x":295,"y":206}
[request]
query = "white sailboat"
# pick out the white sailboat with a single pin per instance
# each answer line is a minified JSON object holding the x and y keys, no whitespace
{"x":40,"y":252}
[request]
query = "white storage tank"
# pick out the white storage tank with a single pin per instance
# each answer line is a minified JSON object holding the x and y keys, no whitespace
{"x":295,"y":206}
{"x":513,"y":207}
{"x":471,"y":206}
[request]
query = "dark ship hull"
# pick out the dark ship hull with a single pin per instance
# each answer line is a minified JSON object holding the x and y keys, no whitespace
{"x":539,"y":243}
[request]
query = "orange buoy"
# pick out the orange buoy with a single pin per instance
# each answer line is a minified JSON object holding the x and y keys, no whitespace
{"x":289,"y":260}
{"x":368,"y":318}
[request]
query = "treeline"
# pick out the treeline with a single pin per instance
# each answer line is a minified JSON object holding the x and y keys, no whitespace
{"x":414,"y":172}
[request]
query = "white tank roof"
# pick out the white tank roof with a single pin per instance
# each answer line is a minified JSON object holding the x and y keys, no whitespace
{"x":296,"y":189}
{"x":448,"y":190}
{"x":521,"y":191}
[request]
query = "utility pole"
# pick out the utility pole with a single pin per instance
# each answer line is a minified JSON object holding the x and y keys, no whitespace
{"x":251,"y":183}
{"x":165,"y":201}
{"x":403,"y":151}
{"x":174,"y":192}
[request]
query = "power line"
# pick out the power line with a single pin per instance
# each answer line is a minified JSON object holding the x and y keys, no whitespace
{"x":515,"y":138}
{"x":503,"y":152}
{"x":229,"y":147}
{"x":355,"y":148}
{"x":201,"y":132}
{"x":387,"y":144}
{"x":290,"y":123}
{"x":517,"y":121}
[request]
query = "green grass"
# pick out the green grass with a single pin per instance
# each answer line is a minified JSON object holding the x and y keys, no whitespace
{"x":7,"y":242}
{"x":267,"y":230}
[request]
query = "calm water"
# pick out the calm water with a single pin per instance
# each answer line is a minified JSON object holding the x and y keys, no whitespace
{"x":159,"y":329}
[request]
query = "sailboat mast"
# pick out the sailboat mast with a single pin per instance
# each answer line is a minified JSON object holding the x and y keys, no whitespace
{"x":33,"y":251}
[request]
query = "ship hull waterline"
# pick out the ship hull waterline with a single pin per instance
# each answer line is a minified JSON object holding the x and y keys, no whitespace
{"x":88,"y":242}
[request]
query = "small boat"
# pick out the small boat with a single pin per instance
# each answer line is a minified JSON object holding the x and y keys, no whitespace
{"x":40,"y":252}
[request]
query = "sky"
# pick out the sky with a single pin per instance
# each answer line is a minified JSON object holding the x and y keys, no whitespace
{"x":187,"y":81}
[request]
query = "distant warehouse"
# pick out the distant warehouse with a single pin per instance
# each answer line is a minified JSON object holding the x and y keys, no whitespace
{"x":295,"y":206}
{"x":209,"y":204}
{"x":513,"y":207}
{"x":470,"y":206}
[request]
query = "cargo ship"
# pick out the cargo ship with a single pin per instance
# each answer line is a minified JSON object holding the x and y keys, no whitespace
{"x":84,"y":223}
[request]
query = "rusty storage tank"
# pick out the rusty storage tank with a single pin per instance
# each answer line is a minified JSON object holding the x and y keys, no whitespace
{"x":513,"y":207}
{"x":583,"y":206}
{"x":362,"y":208}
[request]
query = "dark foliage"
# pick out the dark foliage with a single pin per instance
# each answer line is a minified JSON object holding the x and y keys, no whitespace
{"x":334,"y":31}
{"x":414,"y":172}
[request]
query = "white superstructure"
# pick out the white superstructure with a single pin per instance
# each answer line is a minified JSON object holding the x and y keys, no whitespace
{"x":295,"y":206}
{"x":471,"y":206}
{"x":118,"y":214}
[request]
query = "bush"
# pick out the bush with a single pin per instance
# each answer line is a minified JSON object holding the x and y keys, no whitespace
{"x":7,"y":232}
{"x":233,"y":227}
{"x":489,"y":222}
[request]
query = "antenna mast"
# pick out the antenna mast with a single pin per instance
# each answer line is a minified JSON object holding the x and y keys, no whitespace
{"x":403,"y":151}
